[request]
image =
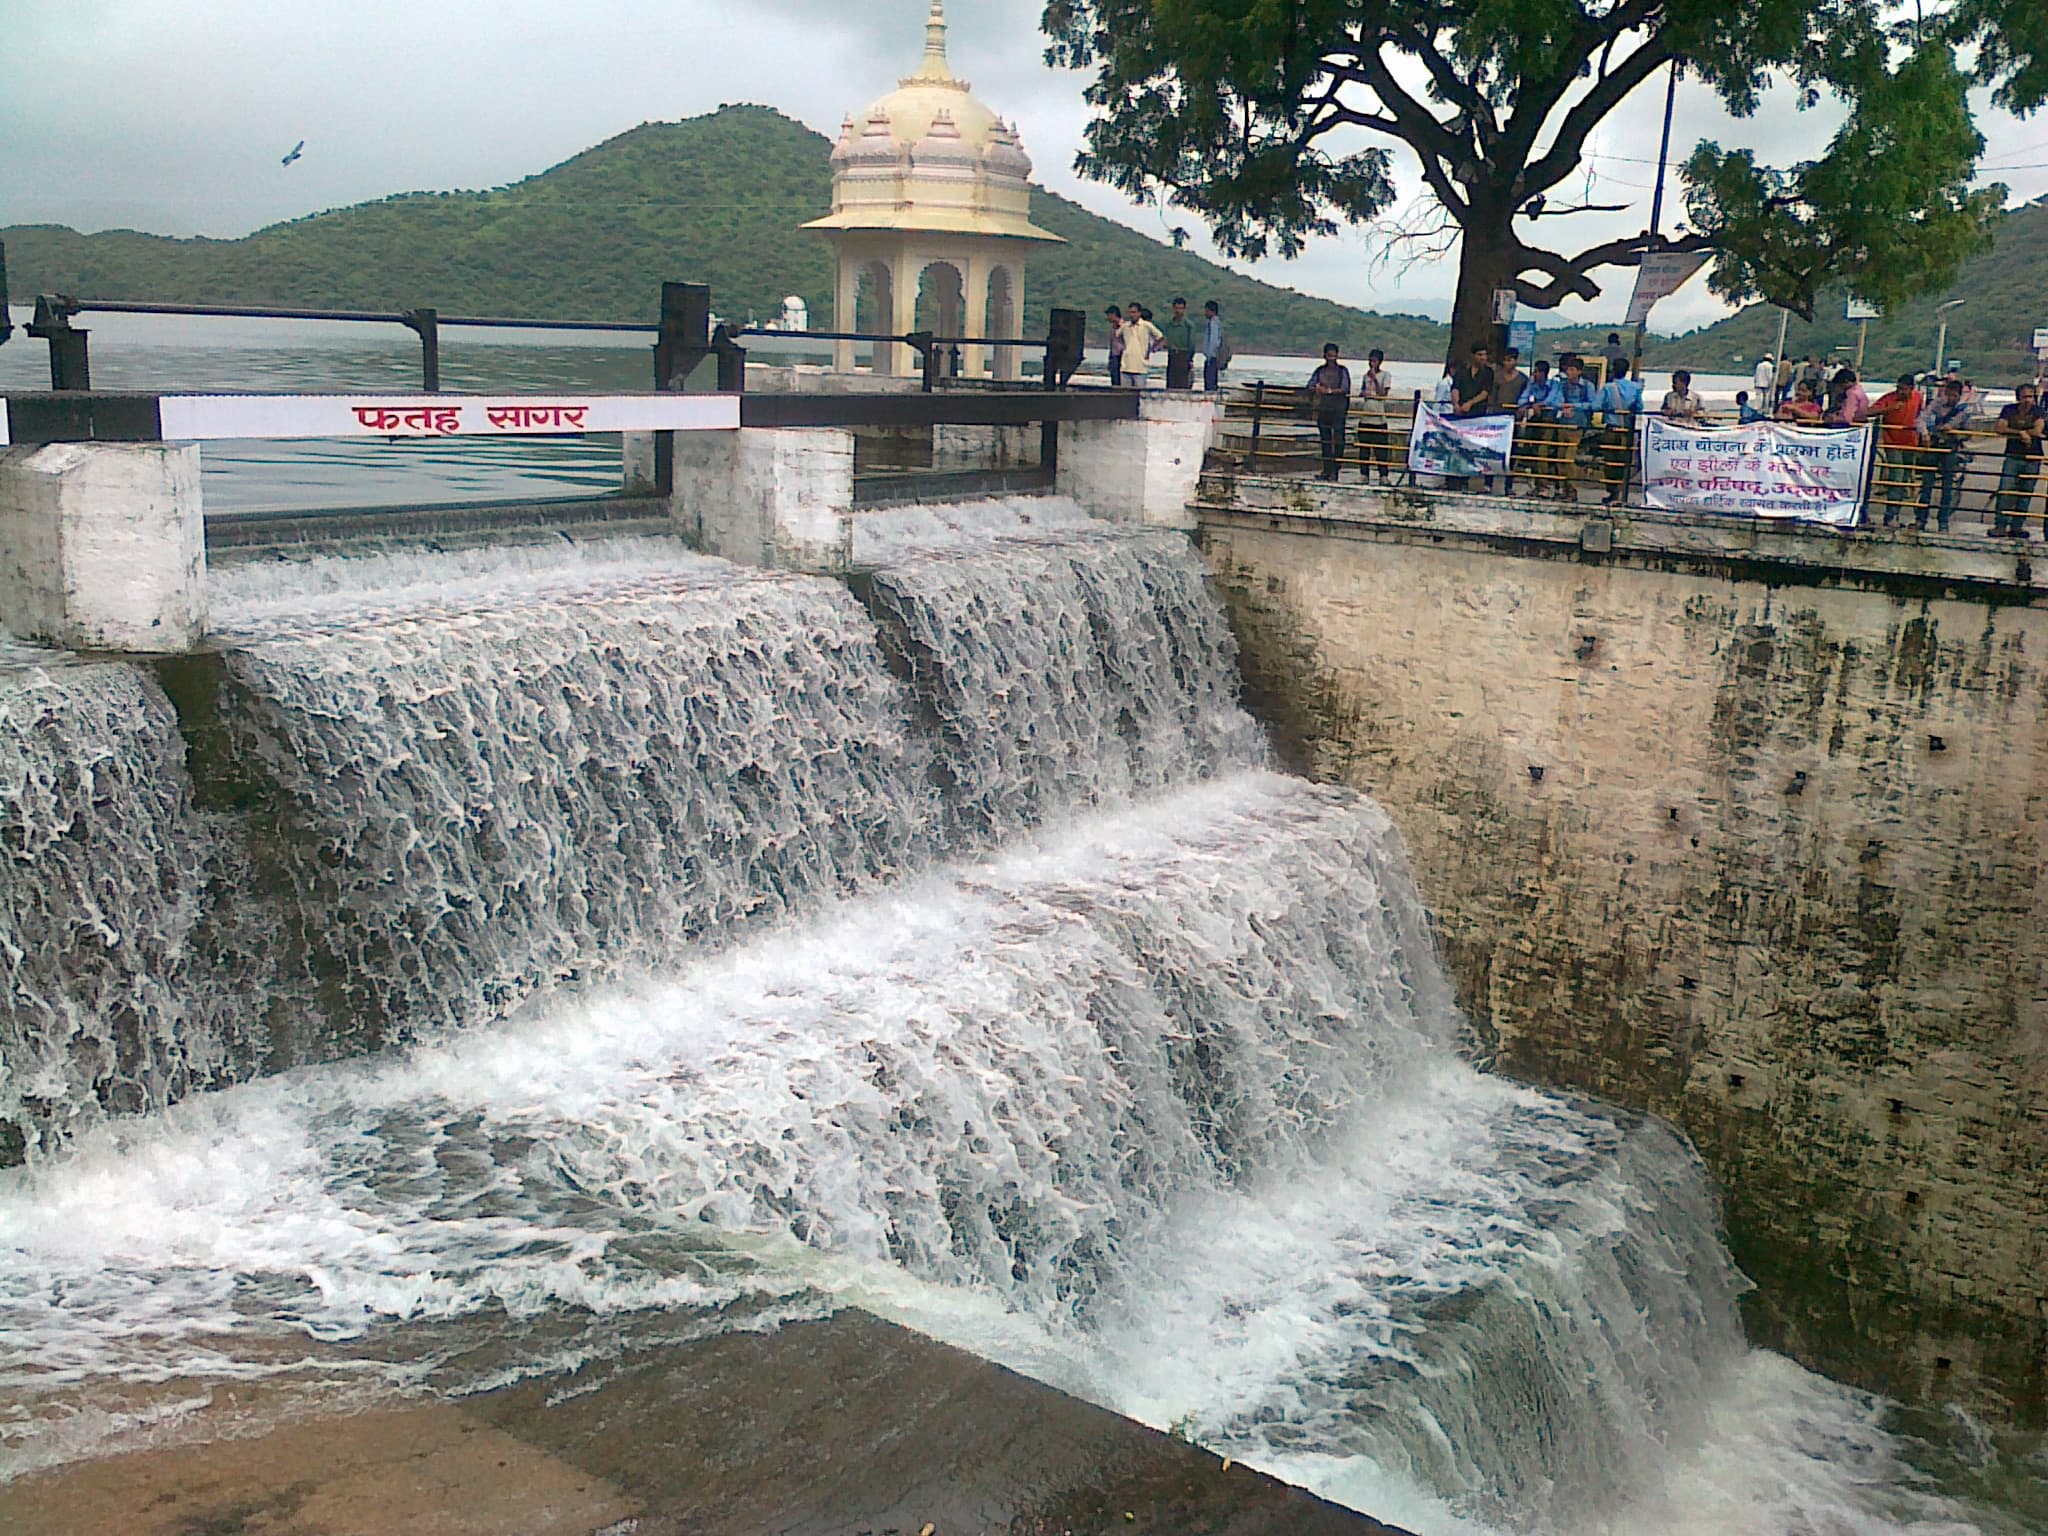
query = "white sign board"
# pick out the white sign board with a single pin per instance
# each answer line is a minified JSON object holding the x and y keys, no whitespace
{"x":1863,"y":309}
{"x":1659,"y":277}
{"x":2040,"y":342}
{"x":1443,"y":444}
{"x":1767,"y":469}
{"x":1504,"y":303}
{"x":200,"y":418}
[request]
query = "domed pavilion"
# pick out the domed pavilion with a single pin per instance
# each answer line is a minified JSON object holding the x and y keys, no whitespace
{"x":931,"y":195}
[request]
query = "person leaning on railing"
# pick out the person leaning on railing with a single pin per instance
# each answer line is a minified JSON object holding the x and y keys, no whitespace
{"x":1803,"y":408}
{"x":1942,"y":426}
{"x":1898,"y":411}
{"x":1621,"y":402}
{"x":2020,"y":424}
{"x":1536,"y":409}
{"x":1574,"y":419}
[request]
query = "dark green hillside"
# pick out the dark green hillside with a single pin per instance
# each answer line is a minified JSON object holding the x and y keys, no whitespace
{"x":2005,"y":294}
{"x":716,"y":199}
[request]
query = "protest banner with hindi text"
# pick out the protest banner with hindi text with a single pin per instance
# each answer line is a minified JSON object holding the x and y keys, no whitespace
{"x":1766,"y":469}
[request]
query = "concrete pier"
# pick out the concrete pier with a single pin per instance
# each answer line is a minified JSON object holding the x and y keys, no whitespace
{"x":103,"y":546}
{"x":775,"y":497}
{"x":1142,"y":471}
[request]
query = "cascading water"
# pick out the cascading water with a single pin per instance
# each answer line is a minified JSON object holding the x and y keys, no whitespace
{"x":104,"y":869}
{"x":1168,"y":1108}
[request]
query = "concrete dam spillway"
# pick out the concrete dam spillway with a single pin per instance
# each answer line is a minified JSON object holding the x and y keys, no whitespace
{"x":479,"y":965}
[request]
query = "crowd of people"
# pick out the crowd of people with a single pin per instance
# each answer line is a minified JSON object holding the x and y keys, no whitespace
{"x":1923,"y":425}
{"x":1136,"y":340}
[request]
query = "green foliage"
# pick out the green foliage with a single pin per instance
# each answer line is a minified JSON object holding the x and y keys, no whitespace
{"x":1226,"y":107}
{"x":717,"y":199}
{"x":1886,"y":212}
{"x":2004,"y":293}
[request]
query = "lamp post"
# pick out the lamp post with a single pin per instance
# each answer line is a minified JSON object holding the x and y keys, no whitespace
{"x":1941,"y":336}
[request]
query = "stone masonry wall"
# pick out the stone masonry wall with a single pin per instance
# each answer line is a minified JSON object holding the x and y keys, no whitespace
{"x":1763,"y":858}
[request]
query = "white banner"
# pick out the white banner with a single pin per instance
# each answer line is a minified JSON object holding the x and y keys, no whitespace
{"x":1659,"y":277}
{"x":1766,"y":469}
{"x":1441,"y":444}
{"x":199,"y":418}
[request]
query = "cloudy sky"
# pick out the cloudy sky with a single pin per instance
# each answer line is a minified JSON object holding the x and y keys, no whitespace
{"x":171,"y":115}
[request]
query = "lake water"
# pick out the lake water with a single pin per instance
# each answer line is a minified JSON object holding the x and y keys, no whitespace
{"x":177,"y":353}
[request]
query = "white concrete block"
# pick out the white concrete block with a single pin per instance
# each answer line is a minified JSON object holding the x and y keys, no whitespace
{"x":775,"y":497}
{"x":636,"y":469}
{"x":103,"y":546}
{"x":1142,"y":471}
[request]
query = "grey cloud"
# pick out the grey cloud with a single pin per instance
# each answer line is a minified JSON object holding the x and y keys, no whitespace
{"x":172,"y":114}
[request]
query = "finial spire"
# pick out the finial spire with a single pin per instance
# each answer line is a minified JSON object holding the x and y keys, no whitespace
{"x":935,"y":65}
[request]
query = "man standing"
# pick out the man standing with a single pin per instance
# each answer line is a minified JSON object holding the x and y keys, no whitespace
{"x":1616,"y":355}
{"x":1680,"y":403}
{"x":1373,"y":390}
{"x":1574,"y":416}
{"x":1900,"y":411}
{"x":1762,"y":382}
{"x":1115,"y":317}
{"x":1180,"y":338}
{"x":1942,"y":431}
{"x":1621,"y":402}
{"x":1508,"y":383}
{"x":1472,"y":395}
{"x":1138,"y":337}
{"x":2020,"y":424}
{"x":1537,"y":407}
{"x":1329,"y":389}
{"x":1215,"y":347}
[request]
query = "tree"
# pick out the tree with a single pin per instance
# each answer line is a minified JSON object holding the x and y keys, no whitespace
{"x":1271,"y":119}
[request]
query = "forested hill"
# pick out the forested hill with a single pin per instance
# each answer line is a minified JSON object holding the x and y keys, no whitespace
{"x":715,"y":199}
{"x":2004,"y":294}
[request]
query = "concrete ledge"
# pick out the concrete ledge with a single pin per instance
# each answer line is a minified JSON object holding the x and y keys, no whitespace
{"x":816,"y":1429}
{"x":1894,"y":560}
{"x":1142,"y":471}
{"x":103,"y":546}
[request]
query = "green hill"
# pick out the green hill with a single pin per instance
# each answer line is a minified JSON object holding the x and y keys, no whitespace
{"x":715,"y":199}
{"x":2005,"y":297}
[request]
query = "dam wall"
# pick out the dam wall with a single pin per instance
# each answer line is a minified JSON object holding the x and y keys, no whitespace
{"x":1740,"y":825}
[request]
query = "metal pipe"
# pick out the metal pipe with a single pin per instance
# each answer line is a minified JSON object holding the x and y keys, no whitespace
{"x":1940,"y":340}
{"x":349,"y":316}
{"x":1657,"y":202}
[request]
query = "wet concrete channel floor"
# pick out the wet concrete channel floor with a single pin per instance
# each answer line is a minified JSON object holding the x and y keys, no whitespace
{"x":846,"y":1427}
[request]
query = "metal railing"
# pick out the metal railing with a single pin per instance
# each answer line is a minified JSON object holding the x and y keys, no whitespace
{"x":1271,"y":429}
{"x":684,"y":335}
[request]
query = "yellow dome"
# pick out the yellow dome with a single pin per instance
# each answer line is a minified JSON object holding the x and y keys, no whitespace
{"x":915,"y":105}
{"x":929,"y":158}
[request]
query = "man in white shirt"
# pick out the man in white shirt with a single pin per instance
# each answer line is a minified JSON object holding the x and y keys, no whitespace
{"x":1762,"y":381}
{"x":1138,"y":336}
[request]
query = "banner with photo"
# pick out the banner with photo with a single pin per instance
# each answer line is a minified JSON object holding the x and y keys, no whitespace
{"x":1766,"y":469}
{"x":1442,"y":444}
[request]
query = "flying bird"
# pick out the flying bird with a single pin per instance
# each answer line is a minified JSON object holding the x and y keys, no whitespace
{"x":298,"y":149}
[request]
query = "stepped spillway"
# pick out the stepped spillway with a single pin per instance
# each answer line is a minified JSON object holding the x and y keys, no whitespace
{"x":758,"y":951}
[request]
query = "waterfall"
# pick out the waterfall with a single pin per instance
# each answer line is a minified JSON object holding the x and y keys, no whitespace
{"x":104,"y":868}
{"x":1061,"y":670}
{"x":951,"y":951}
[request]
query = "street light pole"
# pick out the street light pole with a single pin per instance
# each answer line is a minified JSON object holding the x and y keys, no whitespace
{"x":1941,"y":337}
{"x":1657,"y":205}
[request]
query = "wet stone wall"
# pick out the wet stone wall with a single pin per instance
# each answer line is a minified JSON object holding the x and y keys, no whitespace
{"x":1760,"y":851}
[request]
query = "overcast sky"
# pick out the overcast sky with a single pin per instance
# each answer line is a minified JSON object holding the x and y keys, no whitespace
{"x":172,"y":115}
